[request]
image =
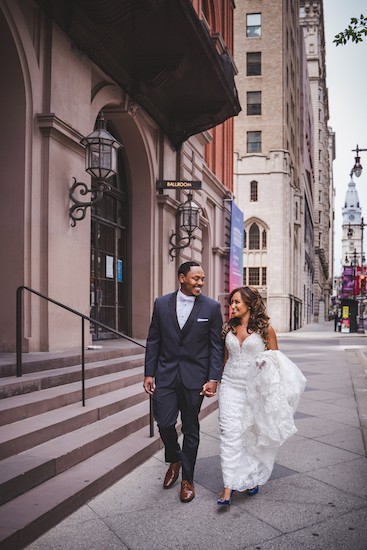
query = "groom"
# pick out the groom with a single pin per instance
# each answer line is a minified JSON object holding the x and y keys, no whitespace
{"x":183,"y":363}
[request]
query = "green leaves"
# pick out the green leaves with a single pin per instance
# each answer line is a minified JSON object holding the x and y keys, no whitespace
{"x":356,"y":31}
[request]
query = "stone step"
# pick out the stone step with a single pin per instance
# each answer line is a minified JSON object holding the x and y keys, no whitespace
{"x":13,"y":409}
{"x":30,"y":468}
{"x":27,"y":433}
{"x":37,"y":381}
{"x":29,"y":515}
{"x":40,"y":361}
{"x":26,"y":517}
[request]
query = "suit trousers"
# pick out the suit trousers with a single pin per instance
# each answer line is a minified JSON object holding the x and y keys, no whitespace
{"x":167,"y":403}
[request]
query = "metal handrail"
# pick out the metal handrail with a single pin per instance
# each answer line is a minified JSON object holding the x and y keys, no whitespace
{"x":19,"y":338}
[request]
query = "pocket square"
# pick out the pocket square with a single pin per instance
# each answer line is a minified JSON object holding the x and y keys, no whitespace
{"x":202,"y":320}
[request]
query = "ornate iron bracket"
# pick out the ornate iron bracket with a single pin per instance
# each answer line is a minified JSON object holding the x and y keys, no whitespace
{"x":178,"y":243}
{"x":78,"y":210}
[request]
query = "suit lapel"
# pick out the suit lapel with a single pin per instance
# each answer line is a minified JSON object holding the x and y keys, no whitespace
{"x":172,"y":306}
{"x":194,"y":312}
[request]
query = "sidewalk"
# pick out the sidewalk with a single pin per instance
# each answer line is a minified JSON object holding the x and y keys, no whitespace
{"x":316,"y":497}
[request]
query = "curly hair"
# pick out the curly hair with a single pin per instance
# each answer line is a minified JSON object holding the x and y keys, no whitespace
{"x":259,"y":319}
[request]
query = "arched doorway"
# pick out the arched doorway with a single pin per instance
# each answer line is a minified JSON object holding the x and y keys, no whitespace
{"x":13,"y":176}
{"x":110,"y":254}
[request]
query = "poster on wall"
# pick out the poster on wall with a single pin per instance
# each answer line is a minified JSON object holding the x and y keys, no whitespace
{"x":109,"y":267}
{"x":345,"y":321}
{"x":236,"y":248}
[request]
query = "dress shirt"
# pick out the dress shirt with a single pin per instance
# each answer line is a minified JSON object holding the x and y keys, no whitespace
{"x":184,"y":307}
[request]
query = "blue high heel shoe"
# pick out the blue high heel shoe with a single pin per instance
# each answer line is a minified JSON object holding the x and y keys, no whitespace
{"x":253,"y":491}
{"x":223,"y":501}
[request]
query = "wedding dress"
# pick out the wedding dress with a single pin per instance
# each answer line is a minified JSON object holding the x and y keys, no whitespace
{"x":258,"y":394}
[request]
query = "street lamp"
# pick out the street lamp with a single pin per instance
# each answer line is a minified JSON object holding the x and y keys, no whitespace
{"x":357,"y":168}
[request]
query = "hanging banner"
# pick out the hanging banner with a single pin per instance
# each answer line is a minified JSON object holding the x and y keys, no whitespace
{"x":236,"y":248}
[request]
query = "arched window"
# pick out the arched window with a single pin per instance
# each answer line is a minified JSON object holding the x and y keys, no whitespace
{"x":263,"y":240}
{"x":244,"y":239}
{"x":253,"y":191}
{"x":254,"y":237}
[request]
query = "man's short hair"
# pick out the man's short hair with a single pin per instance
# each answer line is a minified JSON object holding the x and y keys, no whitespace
{"x":185,"y":267}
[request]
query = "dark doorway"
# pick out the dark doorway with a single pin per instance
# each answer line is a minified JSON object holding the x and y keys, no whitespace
{"x":109,"y":256}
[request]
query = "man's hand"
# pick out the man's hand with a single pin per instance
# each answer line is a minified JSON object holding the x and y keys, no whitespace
{"x":209,"y":389}
{"x":148,"y":384}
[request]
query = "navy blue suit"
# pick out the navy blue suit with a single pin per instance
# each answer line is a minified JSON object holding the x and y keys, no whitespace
{"x":181,"y":361}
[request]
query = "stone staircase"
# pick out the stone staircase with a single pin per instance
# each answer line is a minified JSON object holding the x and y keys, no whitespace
{"x":56,"y":454}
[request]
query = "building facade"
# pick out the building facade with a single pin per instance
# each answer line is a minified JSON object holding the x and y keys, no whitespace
{"x":163,"y":79}
{"x":312,"y":22}
{"x":273,"y":160}
{"x":276,"y":139}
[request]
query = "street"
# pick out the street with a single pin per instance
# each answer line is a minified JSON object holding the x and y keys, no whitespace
{"x":316,"y":497}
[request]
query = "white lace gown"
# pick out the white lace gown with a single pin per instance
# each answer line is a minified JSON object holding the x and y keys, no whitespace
{"x":258,"y":395}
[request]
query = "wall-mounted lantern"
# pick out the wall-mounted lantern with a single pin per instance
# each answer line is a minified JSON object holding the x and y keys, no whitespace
{"x":189,"y":213}
{"x":101,"y":163}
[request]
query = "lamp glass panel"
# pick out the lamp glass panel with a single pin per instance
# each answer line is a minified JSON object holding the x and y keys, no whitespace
{"x":101,"y":160}
{"x":189,"y":218}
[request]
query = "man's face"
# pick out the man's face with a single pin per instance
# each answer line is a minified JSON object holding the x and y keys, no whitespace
{"x":192,"y":283}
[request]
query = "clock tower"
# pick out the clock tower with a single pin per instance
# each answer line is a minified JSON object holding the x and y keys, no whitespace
{"x":352,"y":229}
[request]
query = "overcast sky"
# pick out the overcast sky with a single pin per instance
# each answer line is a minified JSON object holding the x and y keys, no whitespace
{"x":346,"y":74}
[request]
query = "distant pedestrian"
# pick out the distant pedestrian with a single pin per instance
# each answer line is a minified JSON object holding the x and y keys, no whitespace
{"x":259,"y":391}
{"x":183,"y":363}
{"x":336,"y":321}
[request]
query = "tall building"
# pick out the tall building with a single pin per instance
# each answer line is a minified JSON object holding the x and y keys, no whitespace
{"x":274,"y":175}
{"x":312,"y":21}
{"x":352,"y":230}
{"x":162,"y":75}
{"x":282,"y":167}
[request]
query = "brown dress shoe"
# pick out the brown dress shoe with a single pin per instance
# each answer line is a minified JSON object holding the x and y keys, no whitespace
{"x":172,"y":474}
{"x":187,"y":491}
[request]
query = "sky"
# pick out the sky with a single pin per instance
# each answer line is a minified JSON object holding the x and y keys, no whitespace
{"x":346,"y":79}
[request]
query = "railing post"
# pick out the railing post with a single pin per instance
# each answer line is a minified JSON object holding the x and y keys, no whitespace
{"x":83,"y":365}
{"x":151,"y":417}
{"x":19,"y":330}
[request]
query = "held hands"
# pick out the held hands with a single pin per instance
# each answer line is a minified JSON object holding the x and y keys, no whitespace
{"x":148,"y":384}
{"x":209,"y":389}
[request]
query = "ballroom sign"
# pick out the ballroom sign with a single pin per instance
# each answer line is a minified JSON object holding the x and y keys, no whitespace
{"x":178,"y":184}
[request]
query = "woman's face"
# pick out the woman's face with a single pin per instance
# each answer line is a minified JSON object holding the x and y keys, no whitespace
{"x":238,"y":307}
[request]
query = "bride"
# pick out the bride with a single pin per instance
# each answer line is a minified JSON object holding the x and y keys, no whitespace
{"x":258,"y":395}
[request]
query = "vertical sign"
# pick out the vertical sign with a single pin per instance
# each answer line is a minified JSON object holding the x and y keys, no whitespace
{"x":236,"y":248}
{"x":119,"y":271}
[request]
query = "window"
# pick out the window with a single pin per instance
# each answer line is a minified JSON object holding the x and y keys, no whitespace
{"x":254,"y":237}
{"x":254,"y":276}
{"x":253,"y":191}
{"x":244,"y":239}
{"x":264,"y":240}
{"x":254,"y":103}
{"x":244,"y":277}
{"x":253,"y":63}
{"x":253,"y":142}
{"x":263,"y":276}
{"x":253,"y":29}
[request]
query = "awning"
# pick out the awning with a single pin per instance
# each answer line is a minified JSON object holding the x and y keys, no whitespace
{"x":160,"y":53}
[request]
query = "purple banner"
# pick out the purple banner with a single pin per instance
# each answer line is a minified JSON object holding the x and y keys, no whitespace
{"x":348,"y":282}
{"x":236,"y":248}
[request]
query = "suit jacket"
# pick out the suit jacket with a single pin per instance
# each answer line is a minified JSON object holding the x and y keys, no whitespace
{"x":196,"y":350}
